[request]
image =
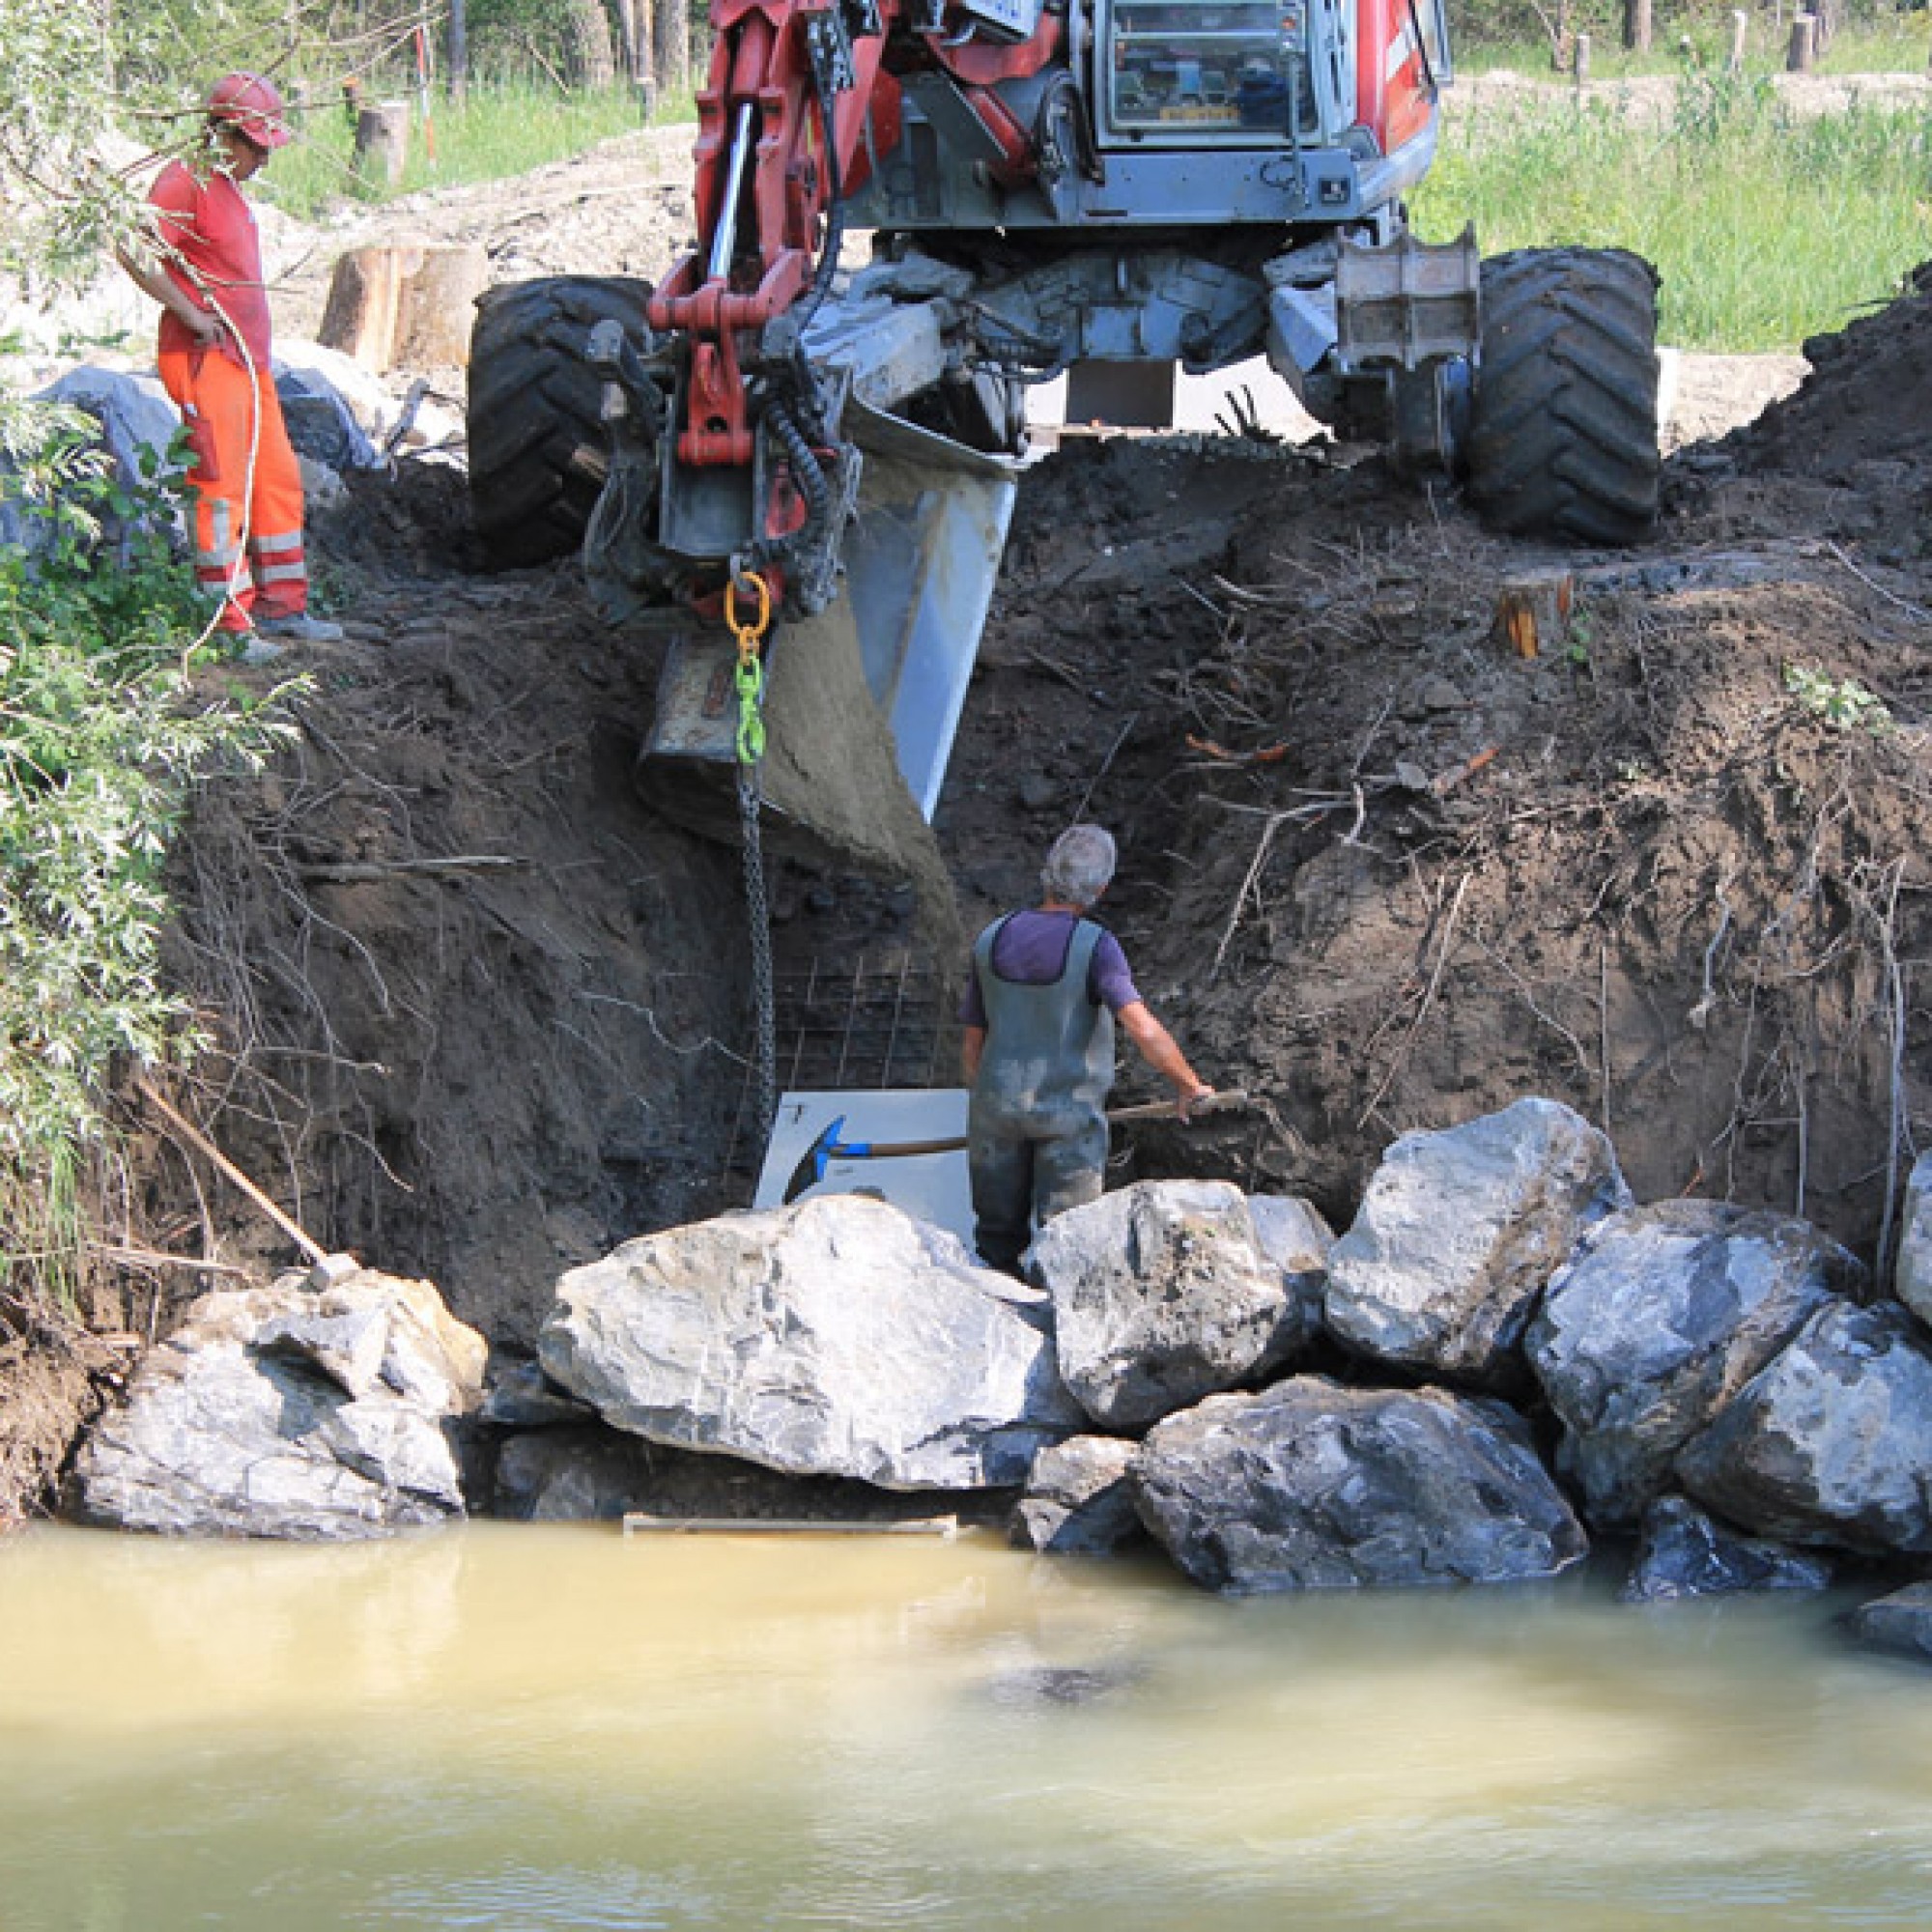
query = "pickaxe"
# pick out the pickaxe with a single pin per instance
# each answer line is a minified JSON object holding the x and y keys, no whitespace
{"x":828,"y":1146}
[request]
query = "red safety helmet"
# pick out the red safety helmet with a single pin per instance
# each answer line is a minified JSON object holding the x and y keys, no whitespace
{"x":251,"y":106}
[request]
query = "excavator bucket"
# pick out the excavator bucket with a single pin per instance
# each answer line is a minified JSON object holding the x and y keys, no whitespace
{"x":862,"y":700}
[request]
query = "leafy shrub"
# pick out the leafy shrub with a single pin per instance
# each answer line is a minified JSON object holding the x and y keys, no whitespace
{"x":105,"y":729}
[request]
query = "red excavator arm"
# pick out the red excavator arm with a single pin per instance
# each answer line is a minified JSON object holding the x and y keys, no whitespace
{"x":801,"y":97}
{"x":767,"y":182}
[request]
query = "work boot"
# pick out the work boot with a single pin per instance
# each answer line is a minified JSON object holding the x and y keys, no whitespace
{"x":299,"y":627}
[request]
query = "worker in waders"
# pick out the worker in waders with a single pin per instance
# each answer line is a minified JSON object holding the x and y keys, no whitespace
{"x":204,"y":270}
{"x":1046,"y":989}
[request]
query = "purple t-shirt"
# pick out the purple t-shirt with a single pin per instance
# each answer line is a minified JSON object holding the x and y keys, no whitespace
{"x":1031,"y":950}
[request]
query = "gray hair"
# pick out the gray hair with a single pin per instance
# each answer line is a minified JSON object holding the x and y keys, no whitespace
{"x":1080,"y":866}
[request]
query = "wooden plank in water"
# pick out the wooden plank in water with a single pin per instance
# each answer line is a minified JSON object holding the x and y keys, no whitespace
{"x":636,"y":1524}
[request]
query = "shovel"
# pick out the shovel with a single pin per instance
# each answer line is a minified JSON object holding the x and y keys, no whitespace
{"x":828,"y":1146}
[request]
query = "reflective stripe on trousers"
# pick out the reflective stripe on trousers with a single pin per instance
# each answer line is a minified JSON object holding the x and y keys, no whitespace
{"x":236,"y":495}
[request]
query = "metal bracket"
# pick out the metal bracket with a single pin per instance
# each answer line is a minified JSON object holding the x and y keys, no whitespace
{"x":1407,"y":304}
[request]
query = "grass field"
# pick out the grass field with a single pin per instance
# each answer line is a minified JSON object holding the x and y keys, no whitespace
{"x":1767,"y":225}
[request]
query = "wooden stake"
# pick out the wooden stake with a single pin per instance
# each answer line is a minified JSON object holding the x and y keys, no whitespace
{"x":1533,"y":611}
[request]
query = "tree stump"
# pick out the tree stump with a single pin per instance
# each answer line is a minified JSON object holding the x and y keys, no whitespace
{"x":1803,"y":49}
{"x":1533,"y":611}
{"x":436,"y":308}
{"x":382,"y":144}
{"x":409,"y":307}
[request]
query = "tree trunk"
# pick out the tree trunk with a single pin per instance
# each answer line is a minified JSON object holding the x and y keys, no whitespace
{"x":382,"y":145}
{"x":457,"y":50}
{"x":670,"y":47}
{"x":630,"y":37}
{"x":1637,"y":25}
{"x":587,"y":58}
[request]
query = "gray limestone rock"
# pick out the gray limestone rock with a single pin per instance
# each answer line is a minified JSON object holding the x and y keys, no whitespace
{"x":573,"y":1475}
{"x":521,"y":1396}
{"x":1459,"y":1233}
{"x":282,"y":1412}
{"x":1312,"y":1486}
{"x":1686,"y":1553}
{"x":1900,"y":1623}
{"x":1299,"y":1242}
{"x":1663,"y":1315}
{"x":1912,"y":1278}
{"x":1830,"y":1444}
{"x":1166,"y":1290}
{"x":1080,"y":1498}
{"x":838,"y":1337}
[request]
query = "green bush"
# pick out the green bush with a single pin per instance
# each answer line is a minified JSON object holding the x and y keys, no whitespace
{"x":105,"y":728}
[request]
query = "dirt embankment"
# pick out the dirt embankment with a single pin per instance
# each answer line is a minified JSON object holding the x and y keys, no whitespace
{"x":484,"y":1012}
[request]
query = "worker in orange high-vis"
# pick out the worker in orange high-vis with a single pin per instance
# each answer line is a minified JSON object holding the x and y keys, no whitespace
{"x":214,"y":360}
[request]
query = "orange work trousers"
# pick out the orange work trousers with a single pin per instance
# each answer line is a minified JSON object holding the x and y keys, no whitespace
{"x":247,"y":488}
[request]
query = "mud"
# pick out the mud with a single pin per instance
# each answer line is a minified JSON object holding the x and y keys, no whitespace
{"x":484,"y":1012}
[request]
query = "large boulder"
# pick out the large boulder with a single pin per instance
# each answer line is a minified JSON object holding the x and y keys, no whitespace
{"x":1831,"y":1442}
{"x":1460,"y":1231}
{"x":838,"y":1337}
{"x":1167,"y":1291}
{"x":1312,"y":1486}
{"x":291,"y":1410}
{"x":1661,"y":1317}
{"x":1684,"y":1553}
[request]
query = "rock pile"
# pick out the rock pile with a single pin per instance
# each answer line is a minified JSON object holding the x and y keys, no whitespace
{"x":1501,"y":1357}
{"x":1219,"y":1372}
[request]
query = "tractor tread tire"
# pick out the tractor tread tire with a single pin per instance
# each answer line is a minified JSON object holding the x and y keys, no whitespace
{"x":1563,"y":433}
{"x":537,"y":448}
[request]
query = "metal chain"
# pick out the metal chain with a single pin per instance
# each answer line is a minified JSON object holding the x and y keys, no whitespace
{"x":758,"y":911}
{"x":750,"y":686}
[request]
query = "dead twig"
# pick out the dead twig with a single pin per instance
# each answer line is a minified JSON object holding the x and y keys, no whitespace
{"x":1896,"y":1129}
{"x":371,"y":871}
{"x":1106,"y":765}
{"x":146,"y":1258}
{"x":1422,"y":1011}
{"x":205,"y":1147}
{"x":1910,"y":609}
{"x":1276,"y":820}
{"x":1446,"y":782}
{"x":1055,"y":668}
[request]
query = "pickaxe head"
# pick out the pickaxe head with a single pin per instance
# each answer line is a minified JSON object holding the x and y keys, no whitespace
{"x":815,"y":1160}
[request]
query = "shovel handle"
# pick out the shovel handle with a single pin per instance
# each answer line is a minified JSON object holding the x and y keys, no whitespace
{"x":1155,"y":1110}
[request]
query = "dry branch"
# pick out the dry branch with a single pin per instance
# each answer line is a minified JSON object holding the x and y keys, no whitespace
{"x":205,"y":1147}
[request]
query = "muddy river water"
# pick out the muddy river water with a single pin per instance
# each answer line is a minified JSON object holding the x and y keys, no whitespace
{"x":529,"y":1728}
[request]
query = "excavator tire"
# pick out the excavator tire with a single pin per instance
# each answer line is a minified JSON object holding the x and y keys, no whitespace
{"x":1563,"y":423}
{"x":537,"y":448}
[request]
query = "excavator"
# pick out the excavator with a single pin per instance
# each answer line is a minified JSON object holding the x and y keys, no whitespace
{"x":800,"y":449}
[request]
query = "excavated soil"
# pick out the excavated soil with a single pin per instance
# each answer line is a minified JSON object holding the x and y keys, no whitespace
{"x":1381,"y":872}
{"x":484,"y":1013}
